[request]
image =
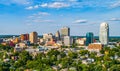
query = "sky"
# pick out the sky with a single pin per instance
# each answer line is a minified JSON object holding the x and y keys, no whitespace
{"x":48,"y":16}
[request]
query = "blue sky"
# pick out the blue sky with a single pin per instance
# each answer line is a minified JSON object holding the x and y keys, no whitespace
{"x":45,"y":16}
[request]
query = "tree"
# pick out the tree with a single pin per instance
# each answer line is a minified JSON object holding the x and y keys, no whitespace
{"x":115,"y":67}
{"x":53,"y":52}
{"x":19,"y":63}
{"x":74,"y":45}
{"x":4,"y":66}
{"x":62,"y":54}
{"x":66,"y":62}
{"x":24,"y":56}
{"x":72,"y":55}
{"x":93,"y":55}
{"x":82,"y":67}
{"x":98,"y":67}
{"x":83,"y":52}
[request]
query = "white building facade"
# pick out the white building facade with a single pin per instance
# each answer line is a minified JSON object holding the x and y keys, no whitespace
{"x":104,"y":33}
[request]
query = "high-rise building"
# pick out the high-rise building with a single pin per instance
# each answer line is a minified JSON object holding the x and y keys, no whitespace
{"x":89,"y":38}
{"x":65,"y":31}
{"x":104,"y":33}
{"x":24,"y":37}
{"x":48,"y":37}
{"x":57,"y":35}
{"x":33,"y":37}
{"x":67,"y":40}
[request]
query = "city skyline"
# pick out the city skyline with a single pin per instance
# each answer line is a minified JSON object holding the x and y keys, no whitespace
{"x":25,"y":16}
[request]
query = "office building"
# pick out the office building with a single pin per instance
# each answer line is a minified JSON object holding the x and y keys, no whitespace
{"x":89,"y":38}
{"x":67,"y":40}
{"x":57,"y":36}
{"x":48,"y":37}
{"x":33,"y":37}
{"x":65,"y":31}
{"x":24,"y":37}
{"x":104,"y":33}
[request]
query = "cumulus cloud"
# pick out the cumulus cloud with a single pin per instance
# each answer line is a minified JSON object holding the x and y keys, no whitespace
{"x":55,"y":5}
{"x":32,"y":7}
{"x":75,"y":4}
{"x":34,"y":4}
{"x":80,"y":21}
{"x":29,"y":8}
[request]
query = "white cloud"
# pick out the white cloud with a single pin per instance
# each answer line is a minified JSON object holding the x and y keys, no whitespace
{"x":44,"y":5}
{"x":80,"y":21}
{"x":115,"y":19}
{"x":29,"y":8}
{"x":36,"y":6}
{"x":39,"y":17}
{"x":32,"y":7}
{"x":73,"y":0}
{"x":42,"y":21}
{"x":55,"y":5}
{"x":116,"y":4}
{"x":21,"y":2}
{"x":43,"y":13}
{"x":76,"y":4}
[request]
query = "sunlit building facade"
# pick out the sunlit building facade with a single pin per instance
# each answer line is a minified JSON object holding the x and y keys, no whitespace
{"x":33,"y":37}
{"x":104,"y":33}
{"x":65,"y":31}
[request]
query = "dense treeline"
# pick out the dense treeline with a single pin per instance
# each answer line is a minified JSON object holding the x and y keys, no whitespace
{"x":44,"y":62}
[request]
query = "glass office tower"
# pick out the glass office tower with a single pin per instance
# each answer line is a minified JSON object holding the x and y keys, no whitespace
{"x":89,"y":38}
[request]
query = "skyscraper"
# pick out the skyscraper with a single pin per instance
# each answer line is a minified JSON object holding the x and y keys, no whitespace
{"x":33,"y":37}
{"x":57,"y":35}
{"x":65,"y":31}
{"x":104,"y":33}
{"x":89,"y":38}
{"x":24,"y":37}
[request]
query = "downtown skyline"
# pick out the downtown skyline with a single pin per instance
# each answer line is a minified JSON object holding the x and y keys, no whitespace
{"x":82,"y":16}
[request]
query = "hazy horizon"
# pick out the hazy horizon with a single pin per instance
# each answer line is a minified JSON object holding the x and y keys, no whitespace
{"x":47,"y":16}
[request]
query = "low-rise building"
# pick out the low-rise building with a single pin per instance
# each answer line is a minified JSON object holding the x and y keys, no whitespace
{"x":118,"y":44}
{"x":17,"y":48}
{"x":81,"y":41}
{"x":1,"y":40}
{"x":4,"y":43}
{"x":22,"y":45}
{"x":16,"y":40}
{"x":95,"y":47}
